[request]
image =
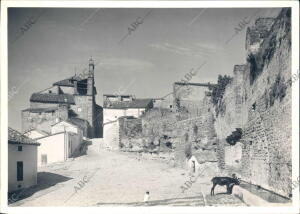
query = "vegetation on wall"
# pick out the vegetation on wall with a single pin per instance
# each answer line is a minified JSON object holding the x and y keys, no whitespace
{"x":270,"y":50}
{"x":150,"y":147}
{"x":234,"y":137}
{"x":131,"y":127}
{"x":180,"y":109}
{"x":278,"y":90}
{"x":219,"y":90}
{"x":195,"y":130}
{"x":255,"y":68}
{"x":259,"y":60}
{"x":218,"y":93}
{"x":188,"y":146}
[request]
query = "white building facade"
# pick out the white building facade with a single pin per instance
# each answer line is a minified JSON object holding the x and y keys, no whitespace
{"x":22,"y":161}
{"x":62,"y":143}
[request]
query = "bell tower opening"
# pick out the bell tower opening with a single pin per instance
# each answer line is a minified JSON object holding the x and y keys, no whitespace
{"x":91,"y":67}
{"x":90,"y":79}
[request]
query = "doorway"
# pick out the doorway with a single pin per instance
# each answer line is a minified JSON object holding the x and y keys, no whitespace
{"x":194,"y":166}
{"x":44,"y":159}
{"x":20,"y":171}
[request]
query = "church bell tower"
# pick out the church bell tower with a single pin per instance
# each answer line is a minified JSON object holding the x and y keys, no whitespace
{"x":91,"y":67}
{"x":90,"y":79}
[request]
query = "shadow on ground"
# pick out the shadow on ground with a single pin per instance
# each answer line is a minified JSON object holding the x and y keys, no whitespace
{"x":82,"y":149}
{"x":44,"y":180}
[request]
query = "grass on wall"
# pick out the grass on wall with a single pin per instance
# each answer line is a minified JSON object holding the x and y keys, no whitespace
{"x":234,"y":137}
{"x":218,"y":93}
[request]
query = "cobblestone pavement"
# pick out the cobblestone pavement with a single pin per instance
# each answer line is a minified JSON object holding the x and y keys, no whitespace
{"x":105,"y":178}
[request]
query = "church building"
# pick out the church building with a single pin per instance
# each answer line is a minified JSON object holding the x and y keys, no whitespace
{"x":71,"y":99}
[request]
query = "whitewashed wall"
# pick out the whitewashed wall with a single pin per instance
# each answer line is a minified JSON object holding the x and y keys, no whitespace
{"x":29,"y":157}
{"x":54,"y":147}
{"x":111,"y":135}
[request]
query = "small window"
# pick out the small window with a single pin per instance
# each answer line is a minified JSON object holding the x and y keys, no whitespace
{"x":171,"y":106}
{"x":253,"y":106}
{"x":250,"y":142}
{"x":40,"y":113}
{"x":50,"y":92}
{"x":20,"y":148}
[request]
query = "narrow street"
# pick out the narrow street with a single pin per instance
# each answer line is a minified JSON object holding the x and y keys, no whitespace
{"x":113,"y":178}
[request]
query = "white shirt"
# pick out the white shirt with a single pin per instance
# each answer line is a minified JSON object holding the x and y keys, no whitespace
{"x":146,"y":197}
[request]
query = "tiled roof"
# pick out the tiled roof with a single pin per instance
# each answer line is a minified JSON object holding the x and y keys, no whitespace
{"x":15,"y":137}
{"x":136,"y":103}
{"x":52,"y":98}
{"x":37,"y":130}
{"x":117,"y":95}
{"x":68,"y":81}
{"x":38,"y":110}
{"x":195,"y":84}
{"x":66,"y":121}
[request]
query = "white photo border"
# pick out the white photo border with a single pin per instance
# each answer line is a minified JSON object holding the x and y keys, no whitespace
{"x":148,"y":4}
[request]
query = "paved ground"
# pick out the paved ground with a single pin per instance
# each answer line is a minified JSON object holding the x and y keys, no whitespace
{"x":112,"y":178}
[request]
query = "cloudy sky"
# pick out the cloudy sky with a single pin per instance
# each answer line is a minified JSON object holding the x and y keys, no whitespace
{"x":166,"y":45}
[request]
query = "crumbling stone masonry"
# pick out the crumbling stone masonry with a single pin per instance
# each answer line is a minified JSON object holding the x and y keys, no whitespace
{"x":261,"y":92}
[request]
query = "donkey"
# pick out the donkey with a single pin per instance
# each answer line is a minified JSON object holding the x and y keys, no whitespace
{"x":229,"y":182}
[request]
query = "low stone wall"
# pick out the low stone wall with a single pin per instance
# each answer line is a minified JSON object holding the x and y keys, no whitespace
{"x":165,"y":157}
{"x":131,"y":138}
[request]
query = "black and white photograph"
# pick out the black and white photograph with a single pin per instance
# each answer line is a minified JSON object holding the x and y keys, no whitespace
{"x":139,"y":106}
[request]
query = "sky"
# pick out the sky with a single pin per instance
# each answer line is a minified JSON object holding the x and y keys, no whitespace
{"x":144,"y":60}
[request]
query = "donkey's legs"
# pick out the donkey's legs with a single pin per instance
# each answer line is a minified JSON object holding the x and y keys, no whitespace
{"x":212,"y":192}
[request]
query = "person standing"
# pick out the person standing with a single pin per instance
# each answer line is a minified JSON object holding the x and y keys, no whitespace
{"x":146,"y":197}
